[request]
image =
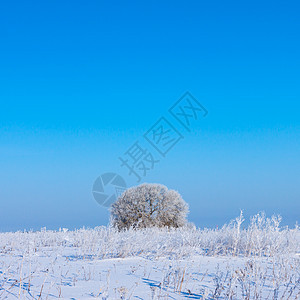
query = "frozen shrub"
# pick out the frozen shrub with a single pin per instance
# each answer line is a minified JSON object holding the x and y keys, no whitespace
{"x":149,"y":205}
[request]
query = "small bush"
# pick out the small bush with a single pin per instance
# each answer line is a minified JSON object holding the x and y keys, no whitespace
{"x":149,"y":205}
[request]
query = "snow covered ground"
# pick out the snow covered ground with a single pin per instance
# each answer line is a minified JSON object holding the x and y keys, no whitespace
{"x":258,"y":262}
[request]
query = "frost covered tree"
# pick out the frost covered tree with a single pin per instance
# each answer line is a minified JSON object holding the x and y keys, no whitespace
{"x":149,"y":205}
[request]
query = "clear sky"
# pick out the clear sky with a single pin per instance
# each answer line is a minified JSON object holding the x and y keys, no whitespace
{"x":81,"y":81}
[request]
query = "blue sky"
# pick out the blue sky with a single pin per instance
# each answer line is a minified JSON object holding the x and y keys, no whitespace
{"x":81,"y":81}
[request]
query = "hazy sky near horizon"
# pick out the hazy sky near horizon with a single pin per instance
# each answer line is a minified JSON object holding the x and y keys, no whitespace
{"x":81,"y":81}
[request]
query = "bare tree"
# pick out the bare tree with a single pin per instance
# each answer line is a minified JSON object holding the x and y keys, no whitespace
{"x":149,"y":205}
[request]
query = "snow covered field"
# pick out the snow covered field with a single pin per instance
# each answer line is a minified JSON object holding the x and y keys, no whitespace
{"x":260,"y":261}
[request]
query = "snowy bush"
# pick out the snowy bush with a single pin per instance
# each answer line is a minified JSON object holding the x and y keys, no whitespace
{"x":149,"y":205}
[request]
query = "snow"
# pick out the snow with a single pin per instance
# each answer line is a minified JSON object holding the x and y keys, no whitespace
{"x":257,"y":262}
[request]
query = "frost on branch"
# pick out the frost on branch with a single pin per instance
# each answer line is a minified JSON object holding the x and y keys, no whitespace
{"x":149,"y":205}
